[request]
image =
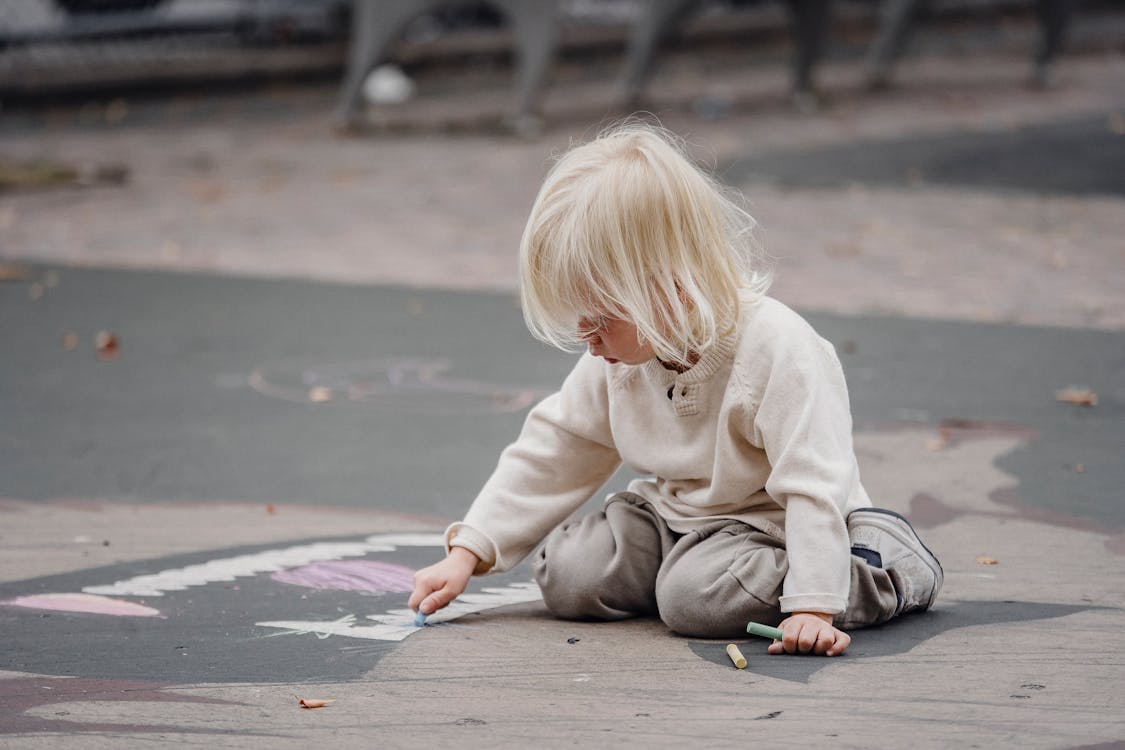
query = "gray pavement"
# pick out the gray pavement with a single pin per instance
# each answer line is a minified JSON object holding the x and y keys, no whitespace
{"x":320,"y":355}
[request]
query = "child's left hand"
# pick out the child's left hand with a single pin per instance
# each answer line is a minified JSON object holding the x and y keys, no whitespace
{"x":810,"y":632}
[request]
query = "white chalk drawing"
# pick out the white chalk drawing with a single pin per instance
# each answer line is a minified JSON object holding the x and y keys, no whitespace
{"x":396,"y":624}
{"x":270,"y":561}
{"x":391,"y":625}
{"x":398,"y":384}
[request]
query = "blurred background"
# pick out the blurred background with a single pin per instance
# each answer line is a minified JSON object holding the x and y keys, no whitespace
{"x":949,"y":158}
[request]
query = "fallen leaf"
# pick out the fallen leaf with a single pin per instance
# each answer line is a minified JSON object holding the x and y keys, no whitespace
{"x":313,"y":703}
{"x":1080,"y":468}
{"x":985,"y":560}
{"x":206,"y":190}
{"x":39,"y":175}
{"x":1080,"y":396}
{"x":14,"y":272}
{"x":106,"y":345}
{"x":318,"y":394}
{"x":70,"y":341}
{"x":15,"y":176}
{"x":271,"y":509}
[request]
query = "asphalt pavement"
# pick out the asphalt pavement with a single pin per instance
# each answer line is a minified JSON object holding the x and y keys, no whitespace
{"x":244,"y":392}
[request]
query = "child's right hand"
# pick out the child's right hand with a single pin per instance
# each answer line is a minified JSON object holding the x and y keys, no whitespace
{"x":442,"y":582}
{"x":810,"y":632}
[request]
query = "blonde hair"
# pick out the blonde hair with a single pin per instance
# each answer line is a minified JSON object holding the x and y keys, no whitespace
{"x":628,"y":227}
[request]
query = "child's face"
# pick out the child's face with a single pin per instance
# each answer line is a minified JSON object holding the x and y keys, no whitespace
{"x":614,"y":340}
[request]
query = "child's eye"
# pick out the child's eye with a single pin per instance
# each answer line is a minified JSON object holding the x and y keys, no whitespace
{"x":588,"y":327}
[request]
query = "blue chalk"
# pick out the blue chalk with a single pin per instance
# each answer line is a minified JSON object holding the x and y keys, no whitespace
{"x":419,"y":619}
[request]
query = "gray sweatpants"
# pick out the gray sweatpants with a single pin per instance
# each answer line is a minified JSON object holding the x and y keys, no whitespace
{"x":625,"y":562}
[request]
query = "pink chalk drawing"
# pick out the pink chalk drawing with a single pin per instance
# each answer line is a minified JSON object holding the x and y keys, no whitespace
{"x":88,"y":603}
{"x":369,"y":576}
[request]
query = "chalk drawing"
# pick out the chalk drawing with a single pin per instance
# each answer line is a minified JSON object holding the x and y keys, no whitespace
{"x":89,"y":603}
{"x":236,"y":615}
{"x":371,"y":576}
{"x":269,"y":561}
{"x":328,"y":566}
{"x":397,"y":384}
{"x":397,"y":624}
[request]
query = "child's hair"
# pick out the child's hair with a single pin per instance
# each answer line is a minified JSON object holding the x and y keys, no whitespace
{"x":626,"y":226}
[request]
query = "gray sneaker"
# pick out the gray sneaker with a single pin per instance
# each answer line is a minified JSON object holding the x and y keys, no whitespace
{"x":887,"y":540}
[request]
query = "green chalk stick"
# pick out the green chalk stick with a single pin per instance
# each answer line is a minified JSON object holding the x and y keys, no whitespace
{"x":765,"y":631}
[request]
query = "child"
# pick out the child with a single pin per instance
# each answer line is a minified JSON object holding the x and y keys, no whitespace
{"x":731,"y":404}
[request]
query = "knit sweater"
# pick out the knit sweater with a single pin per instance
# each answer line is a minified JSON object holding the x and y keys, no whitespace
{"x":758,"y":430}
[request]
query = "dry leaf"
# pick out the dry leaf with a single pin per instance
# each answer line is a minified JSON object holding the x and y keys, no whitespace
{"x":313,"y":703}
{"x":985,"y":560}
{"x":70,"y":341}
{"x":207,"y":191}
{"x":318,"y":394}
{"x":940,"y":442}
{"x":14,"y":272}
{"x":1080,"y":468}
{"x":1080,"y":396}
{"x":271,"y":509}
{"x":106,"y":345}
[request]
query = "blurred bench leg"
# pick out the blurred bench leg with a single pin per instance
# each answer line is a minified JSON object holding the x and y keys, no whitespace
{"x":895,"y":20}
{"x":1054,"y":19}
{"x":376,"y":24}
{"x":535,"y":28}
{"x":810,"y":19}
{"x":649,"y":31}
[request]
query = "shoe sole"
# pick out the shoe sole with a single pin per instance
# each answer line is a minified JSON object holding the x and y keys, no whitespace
{"x":886,"y":520}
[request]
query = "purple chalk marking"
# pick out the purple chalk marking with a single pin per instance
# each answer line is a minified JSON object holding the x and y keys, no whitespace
{"x":371,"y":576}
{"x":89,"y":603}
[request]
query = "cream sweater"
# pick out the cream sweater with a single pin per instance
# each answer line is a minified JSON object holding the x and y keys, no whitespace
{"x":758,"y":430}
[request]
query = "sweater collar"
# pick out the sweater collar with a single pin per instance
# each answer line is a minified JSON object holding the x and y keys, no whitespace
{"x":709,"y":363}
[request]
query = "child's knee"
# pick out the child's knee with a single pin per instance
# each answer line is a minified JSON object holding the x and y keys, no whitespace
{"x":702,"y":609}
{"x":708,"y":617}
{"x":580,"y":580}
{"x":562,"y":576}
{"x":717,"y":587}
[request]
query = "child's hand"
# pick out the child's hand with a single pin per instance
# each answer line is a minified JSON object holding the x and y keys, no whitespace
{"x":810,"y":632}
{"x":442,"y":582}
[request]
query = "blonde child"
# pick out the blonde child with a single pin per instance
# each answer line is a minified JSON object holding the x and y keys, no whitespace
{"x":734,"y":409}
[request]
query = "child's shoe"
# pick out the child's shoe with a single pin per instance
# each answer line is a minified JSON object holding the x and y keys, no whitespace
{"x":887,"y":540}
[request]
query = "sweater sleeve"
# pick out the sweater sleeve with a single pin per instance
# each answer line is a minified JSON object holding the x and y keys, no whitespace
{"x":564,"y":452}
{"x":803,"y":421}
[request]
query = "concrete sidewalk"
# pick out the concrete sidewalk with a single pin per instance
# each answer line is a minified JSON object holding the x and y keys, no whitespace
{"x":320,"y":356}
